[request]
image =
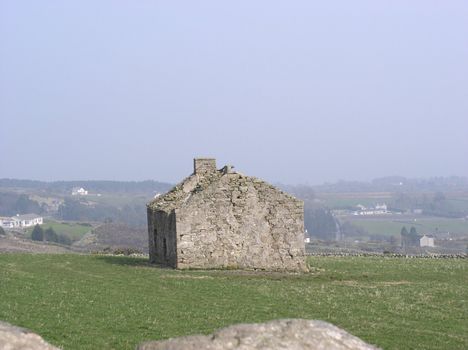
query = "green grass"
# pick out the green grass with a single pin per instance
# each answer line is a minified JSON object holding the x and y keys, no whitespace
{"x":73,"y":230}
{"x":389,"y":227}
{"x":459,"y":202}
{"x":95,"y":302}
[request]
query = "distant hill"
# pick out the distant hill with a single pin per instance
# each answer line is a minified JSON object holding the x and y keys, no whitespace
{"x":94,"y":186}
{"x":114,"y":236}
{"x":383,"y":184}
{"x":399,"y":184}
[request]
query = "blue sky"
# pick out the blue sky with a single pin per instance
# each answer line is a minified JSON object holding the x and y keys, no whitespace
{"x":291,"y":91}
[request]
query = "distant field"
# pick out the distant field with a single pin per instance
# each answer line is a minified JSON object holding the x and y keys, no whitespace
{"x":455,"y":201}
{"x":458,"y":203}
{"x":97,"y":302}
{"x":73,"y":230}
{"x":341,"y":200}
{"x":392,"y":226}
{"x":118,"y":200}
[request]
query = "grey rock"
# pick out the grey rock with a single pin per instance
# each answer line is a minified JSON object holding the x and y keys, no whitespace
{"x":15,"y":338}
{"x":293,"y":334}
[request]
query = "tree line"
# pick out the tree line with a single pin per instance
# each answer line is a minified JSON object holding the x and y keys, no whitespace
{"x":132,"y":214}
{"x":320,"y":222}
{"x":49,"y":235}
{"x":409,"y":239}
{"x":13,"y":203}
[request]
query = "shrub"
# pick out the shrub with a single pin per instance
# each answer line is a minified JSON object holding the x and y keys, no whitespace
{"x":125,"y":251}
{"x":64,"y":239}
{"x":50,"y":235}
{"x":37,"y":233}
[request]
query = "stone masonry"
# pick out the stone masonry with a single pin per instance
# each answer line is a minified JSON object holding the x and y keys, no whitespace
{"x":223,"y":219}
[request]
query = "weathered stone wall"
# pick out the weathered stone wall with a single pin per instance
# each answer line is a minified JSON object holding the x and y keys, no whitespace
{"x":162,"y":237}
{"x":240,"y":222}
{"x":223,"y":219}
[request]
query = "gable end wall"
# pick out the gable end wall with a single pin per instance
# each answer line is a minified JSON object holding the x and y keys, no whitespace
{"x":241,"y":222}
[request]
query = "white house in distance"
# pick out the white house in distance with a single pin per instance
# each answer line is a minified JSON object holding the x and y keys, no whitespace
{"x":426,"y":241}
{"x":379,"y":209}
{"x":79,"y":191}
{"x":306,"y":236}
{"x":382,"y":207}
{"x":20,"y":221}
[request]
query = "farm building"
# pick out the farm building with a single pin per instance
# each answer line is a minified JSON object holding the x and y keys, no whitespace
{"x":19,"y":221}
{"x":223,"y":219}
{"x":79,"y":191}
{"x":426,"y":241}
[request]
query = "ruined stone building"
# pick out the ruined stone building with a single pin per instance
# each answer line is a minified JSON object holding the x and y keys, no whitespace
{"x":223,"y":219}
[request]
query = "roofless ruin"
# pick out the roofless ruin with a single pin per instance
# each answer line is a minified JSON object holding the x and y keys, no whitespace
{"x":223,"y":219}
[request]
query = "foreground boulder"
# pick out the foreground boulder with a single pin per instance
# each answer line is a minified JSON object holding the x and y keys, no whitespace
{"x":292,"y":334}
{"x":15,"y":338}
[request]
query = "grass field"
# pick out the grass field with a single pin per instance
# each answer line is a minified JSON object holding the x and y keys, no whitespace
{"x":73,"y":230}
{"x":98,"y":302}
{"x":392,"y":226}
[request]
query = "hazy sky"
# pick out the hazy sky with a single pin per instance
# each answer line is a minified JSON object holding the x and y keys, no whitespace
{"x":291,"y":91}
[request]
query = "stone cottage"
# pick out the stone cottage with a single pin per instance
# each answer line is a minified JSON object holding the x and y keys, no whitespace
{"x":223,"y":219}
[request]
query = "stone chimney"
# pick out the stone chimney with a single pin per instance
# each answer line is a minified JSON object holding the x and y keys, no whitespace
{"x":204,"y":165}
